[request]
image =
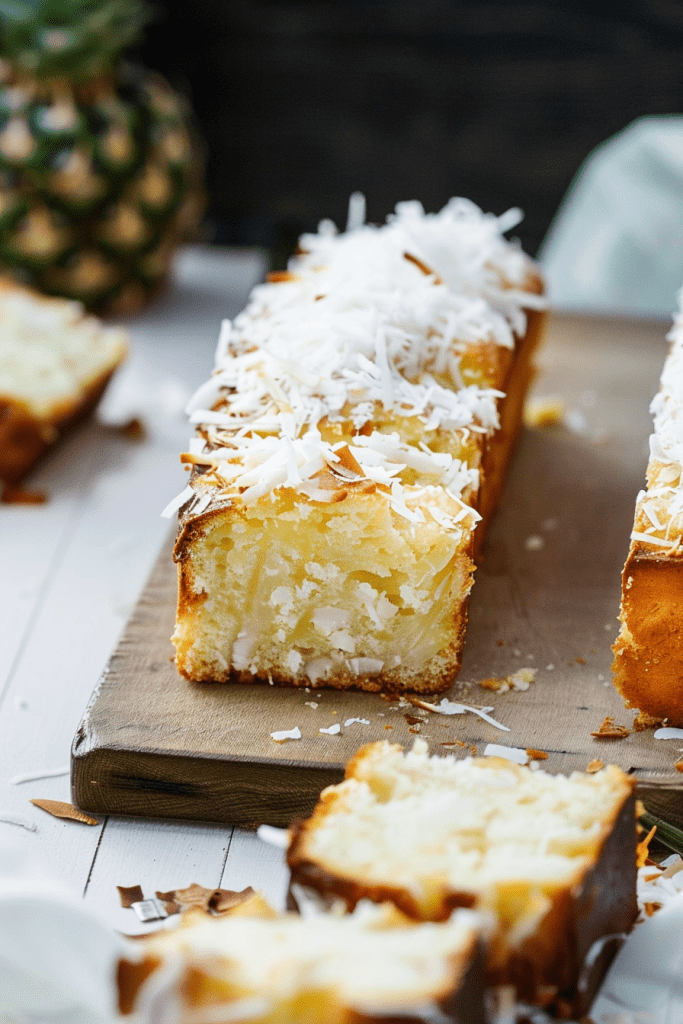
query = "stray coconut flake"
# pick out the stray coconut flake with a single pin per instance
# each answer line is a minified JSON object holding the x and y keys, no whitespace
{"x":13,"y":818}
{"x":41,"y":773}
{"x":669,"y":733}
{"x":515,"y":754}
{"x":448,"y":707}
{"x":274,"y":836}
{"x":360,"y":721}
{"x":286,"y":734}
{"x":333,"y":730}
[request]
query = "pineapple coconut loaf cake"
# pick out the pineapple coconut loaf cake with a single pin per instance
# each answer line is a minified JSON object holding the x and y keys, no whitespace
{"x":355,"y":430}
{"x":648,"y":663}
{"x":551,"y":858}
{"x":257,"y":966}
{"x":55,"y":362}
{"x":422,"y":883}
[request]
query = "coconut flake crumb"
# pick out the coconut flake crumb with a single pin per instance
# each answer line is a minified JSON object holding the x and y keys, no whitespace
{"x":544,"y":411}
{"x":278,"y":837}
{"x":286,"y":734}
{"x":515,"y":754}
{"x":520,"y":680}
{"x":669,"y":733}
{"x":658,"y":885}
{"x":360,"y":721}
{"x":333,"y":730}
{"x":448,"y":707}
{"x":311,"y":704}
{"x":13,"y":818}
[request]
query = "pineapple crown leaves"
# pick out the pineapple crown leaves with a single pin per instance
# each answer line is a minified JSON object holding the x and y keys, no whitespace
{"x":68,"y":39}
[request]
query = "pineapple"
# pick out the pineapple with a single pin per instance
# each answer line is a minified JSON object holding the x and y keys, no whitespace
{"x":99,"y":168}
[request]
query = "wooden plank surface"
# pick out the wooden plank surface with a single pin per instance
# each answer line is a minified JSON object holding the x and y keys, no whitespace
{"x":546,"y":596}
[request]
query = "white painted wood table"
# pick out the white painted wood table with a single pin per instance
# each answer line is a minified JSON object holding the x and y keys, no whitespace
{"x":70,"y":572}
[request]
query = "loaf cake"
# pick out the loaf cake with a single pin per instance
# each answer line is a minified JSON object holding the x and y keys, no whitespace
{"x":648,"y":663}
{"x":260,"y":967}
{"x":54,"y":364}
{"x":353,"y":433}
{"x":553,"y":858}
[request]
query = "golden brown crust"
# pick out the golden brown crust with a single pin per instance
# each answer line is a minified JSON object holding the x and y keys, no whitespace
{"x":25,"y":438}
{"x":648,"y":663}
{"x":518,"y":375}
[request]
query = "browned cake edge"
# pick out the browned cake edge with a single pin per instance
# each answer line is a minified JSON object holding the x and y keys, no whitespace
{"x":463,"y":1004}
{"x":548,"y":967}
{"x":648,"y":662}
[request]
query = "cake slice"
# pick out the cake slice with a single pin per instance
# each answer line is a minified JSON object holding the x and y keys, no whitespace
{"x":553,"y":858}
{"x":355,"y":430}
{"x":648,"y":663}
{"x":259,"y":967}
{"x":55,"y":362}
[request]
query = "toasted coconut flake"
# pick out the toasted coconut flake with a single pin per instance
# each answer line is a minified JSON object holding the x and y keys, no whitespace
{"x":130,"y":894}
{"x":15,"y":495}
{"x":642,"y":849}
{"x":211,"y":901}
{"x":61,"y":809}
{"x":609,"y":731}
{"x":594,"y":766}
{"x":536,"y":755}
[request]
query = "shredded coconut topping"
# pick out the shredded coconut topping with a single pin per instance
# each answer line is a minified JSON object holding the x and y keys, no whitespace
{"x":377,"y":318}
{"x":660,"y":508}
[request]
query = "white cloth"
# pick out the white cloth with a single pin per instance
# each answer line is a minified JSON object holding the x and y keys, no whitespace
{"x":645,"y":982}
{"x":58,"y":957}
{"x":616,"y":244}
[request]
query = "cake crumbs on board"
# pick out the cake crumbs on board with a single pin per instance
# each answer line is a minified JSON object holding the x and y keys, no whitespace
{"x":519,"y":681}
{"x":596,"y":765}
{"x":643,"y":721}
{"x":610,"y":731}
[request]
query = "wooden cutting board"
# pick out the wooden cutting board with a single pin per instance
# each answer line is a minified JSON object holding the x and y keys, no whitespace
{"x":546,"y":596}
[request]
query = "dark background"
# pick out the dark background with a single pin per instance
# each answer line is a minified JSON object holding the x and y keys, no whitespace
{"x":301,"y":103}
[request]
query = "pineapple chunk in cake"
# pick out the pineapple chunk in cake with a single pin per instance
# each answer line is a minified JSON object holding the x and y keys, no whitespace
{"x":296,"y":591}
{"x":322,"y":969}
{"x":327,"y":530}
{"x":553,"y":857}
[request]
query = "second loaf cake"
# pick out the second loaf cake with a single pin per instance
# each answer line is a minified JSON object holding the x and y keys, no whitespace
{"x":356,"y":428}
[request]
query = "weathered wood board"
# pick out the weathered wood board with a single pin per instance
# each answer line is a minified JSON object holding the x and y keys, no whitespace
{"x":152,"y":744}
